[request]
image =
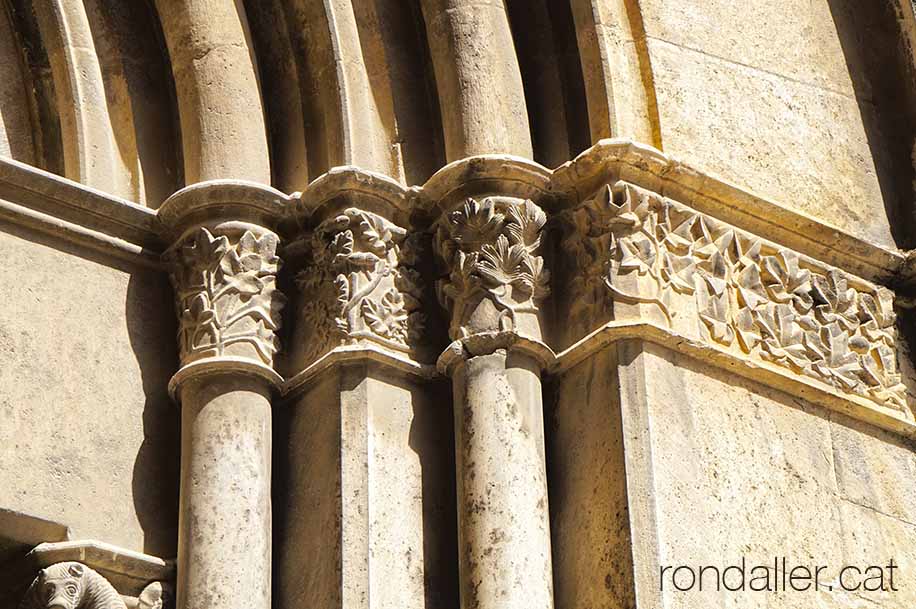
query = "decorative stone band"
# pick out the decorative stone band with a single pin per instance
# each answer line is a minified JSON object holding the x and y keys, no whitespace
{"x":688,"y":255}
{"x":728,"y":287}
{"x":224,"y":265}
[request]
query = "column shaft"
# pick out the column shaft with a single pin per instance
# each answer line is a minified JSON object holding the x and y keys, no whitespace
{"x":225,"y":522}
{"x":504,"y":531}
{"x":223,"y":264}
{"x":478,"y":78}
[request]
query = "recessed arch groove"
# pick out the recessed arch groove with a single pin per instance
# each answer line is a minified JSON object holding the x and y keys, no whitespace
{"x":620,"y":87}
{"x":91,"y":154}
{"x":15,"y":116}
{"x":216,"y":83}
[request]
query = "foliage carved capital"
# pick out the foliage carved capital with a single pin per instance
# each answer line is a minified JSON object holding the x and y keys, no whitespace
{"x":495,"y":277}
{"x":226,"y":295}
{"x":359,"y":283}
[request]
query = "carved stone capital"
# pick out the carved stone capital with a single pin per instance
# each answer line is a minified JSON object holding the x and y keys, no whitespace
{"x":223,"y":265}
{"x":495,"y":276}
{"x":359,"y":283}
{"x":643,"y":256}
{"x":225,"y":284}
{"x":356,"y":275}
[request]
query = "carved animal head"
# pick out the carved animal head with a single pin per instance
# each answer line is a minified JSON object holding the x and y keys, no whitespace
{"x":60,"y":586}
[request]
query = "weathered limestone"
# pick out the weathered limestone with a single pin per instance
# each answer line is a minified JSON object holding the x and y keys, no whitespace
{"x":704,"y":375}
{"x":365,"y":430}
{"x":494,"y":285}
{"x":15,"y":129}
{"x":589,"y":503}
{"x":478,"y":78}
{"x":222,"y":122}
{"x":224,"y":267}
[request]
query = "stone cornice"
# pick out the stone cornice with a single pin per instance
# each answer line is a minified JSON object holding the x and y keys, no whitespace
{"x":349,"y":186}
{"x":507,"y":175}
{"x":214,"y":201}
{"x":67,"y":210}
{"x":612,"y":160}
{"x":54,"y":205}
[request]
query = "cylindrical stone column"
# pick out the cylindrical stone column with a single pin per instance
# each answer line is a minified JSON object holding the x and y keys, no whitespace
{"x":478,"y":77}
{"x":223,"y":265}
{"x":496,"y":281}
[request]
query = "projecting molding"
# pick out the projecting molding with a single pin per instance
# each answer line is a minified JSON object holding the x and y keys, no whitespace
{"x":647,"y":242}
{"x":86,"y":217}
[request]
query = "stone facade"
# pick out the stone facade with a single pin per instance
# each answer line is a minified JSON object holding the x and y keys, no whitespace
{"x":446,"y":303}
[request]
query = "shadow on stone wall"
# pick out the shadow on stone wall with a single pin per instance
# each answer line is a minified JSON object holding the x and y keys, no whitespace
{"x":151,"y":329}
{"x":882,"y":74}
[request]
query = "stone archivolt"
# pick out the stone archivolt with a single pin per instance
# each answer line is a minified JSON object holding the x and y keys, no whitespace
{"x":490,"y":248}
{"x":361,"y":284}
{"x":742,"y":292}
{"x":226,"y":294}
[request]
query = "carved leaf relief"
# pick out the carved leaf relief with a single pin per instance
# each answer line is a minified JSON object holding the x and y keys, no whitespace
{"x":226,"y":294}
{"x":358,"y":282}
{"x":749,"y":295}
{"x":490,"y":249}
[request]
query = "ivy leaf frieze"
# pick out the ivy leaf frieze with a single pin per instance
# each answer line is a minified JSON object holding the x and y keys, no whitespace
{"x":748,"y":294}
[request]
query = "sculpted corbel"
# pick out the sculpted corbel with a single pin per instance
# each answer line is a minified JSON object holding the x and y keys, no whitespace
{"x":71,"y":585}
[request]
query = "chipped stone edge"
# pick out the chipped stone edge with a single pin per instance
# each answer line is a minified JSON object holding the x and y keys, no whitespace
{"x":761,"y":372}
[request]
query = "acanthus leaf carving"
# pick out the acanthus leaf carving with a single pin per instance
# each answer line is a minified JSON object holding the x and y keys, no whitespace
{"x":360,"y":283}
{"x":226,"y":294}
{"x":749,"y":295}
{"x":490,"y":248}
